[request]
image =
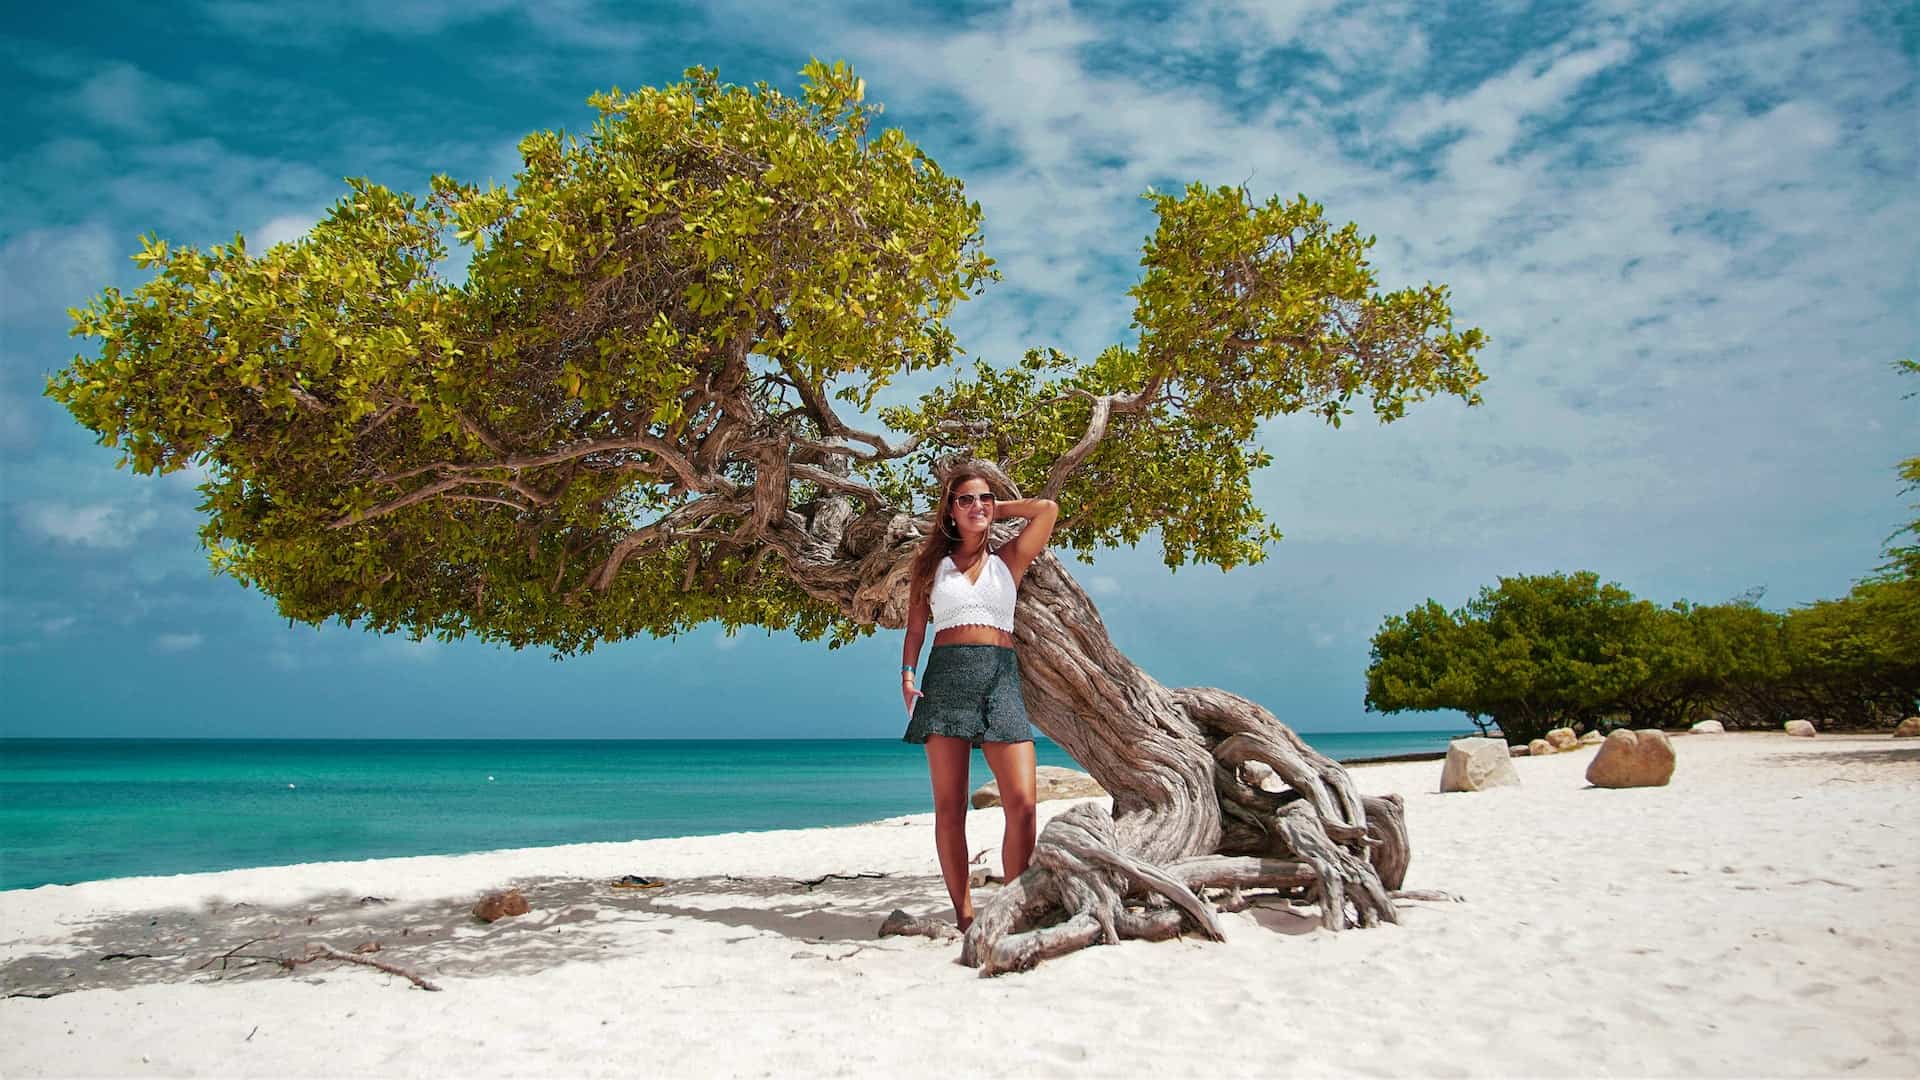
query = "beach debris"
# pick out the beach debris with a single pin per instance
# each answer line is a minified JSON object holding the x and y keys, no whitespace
{"x":1708,"y":727}
{"x":328,"y":952}
{"x":809,"y":883}
{"x":1632,"y":759}
{"x":1562,"y":738}
{"x":1908,"y":729}
{"x":1477,"y":763}
{"x":1050,"y":782}
{"x":981,"y":875}
{"x":365,"y":900}
{"x":1540,"y":748}
{"x":901,"y":924}
{"x":1436,"y":896}
{"x":1592,"y":738}
{"x":500,"y":905}
{"x":637,"y":881}
{"x":1800,"y":729}
{"x":315,"y":951}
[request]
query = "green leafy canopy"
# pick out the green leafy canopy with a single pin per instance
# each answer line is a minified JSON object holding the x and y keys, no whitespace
{"x":621,"y":419}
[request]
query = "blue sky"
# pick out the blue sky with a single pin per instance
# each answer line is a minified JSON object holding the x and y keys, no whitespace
{"x":1687,"y":227}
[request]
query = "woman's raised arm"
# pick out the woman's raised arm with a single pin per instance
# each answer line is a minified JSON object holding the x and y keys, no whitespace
{"x":1020,"y":552}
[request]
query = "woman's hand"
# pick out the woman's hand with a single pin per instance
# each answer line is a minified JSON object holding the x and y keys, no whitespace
{"x":908,"y":693}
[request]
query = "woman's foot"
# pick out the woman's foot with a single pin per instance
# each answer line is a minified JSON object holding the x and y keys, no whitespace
{"x":963,"y":922}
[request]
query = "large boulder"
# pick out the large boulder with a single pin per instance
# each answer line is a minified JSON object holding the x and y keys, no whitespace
{"x":1632,"y":759}
{"x":1908,"y":729}
{"x":1709,"y":727}
{"x":1592,"y":738}
{"x":1050,"y":782}
{"x":1800,"y":728}
{"x":1563,"y":739}
{"x":1539,"y":748}
{"x":1473,"y":764}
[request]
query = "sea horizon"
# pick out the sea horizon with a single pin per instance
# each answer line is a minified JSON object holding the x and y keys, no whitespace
{"x":85,"y":808}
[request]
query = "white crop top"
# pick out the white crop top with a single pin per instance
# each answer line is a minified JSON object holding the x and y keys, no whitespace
{"x":987,"y":602}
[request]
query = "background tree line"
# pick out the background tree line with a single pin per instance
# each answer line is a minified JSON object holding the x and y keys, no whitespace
{"x":1535,"y":652}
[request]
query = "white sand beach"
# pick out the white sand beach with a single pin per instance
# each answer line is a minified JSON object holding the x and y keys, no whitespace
{"x":1757,"y":917}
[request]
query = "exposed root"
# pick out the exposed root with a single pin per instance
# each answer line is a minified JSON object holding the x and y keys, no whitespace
{"x":1289,"y":819}
{"x":1078,"y":870}
{"x":1346,"y":879}
{"x":1389,"y":851}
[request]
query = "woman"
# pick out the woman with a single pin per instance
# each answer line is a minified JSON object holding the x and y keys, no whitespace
{"x":972,"y":695}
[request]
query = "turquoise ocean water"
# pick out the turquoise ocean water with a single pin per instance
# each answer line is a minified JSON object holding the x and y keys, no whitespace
{"x":80,"y":809}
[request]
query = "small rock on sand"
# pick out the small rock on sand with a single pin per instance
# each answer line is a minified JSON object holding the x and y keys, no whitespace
{"x":1709,"y":727}
{"x":1516,"y":750}
{"x":1908,"y":729}
{"x":1474,"y":764}
{"x":1050,"y":782}
{"x":1539,"y":748}
{"x":1563,"y":738}
{"x":1632,"y":759}
{"x":500,"y":905}
{"x":1800,"y":728}
{"x":1592,"y":738}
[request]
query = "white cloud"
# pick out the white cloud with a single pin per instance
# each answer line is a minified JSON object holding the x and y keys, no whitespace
{"x":127,"y":99}
{"x":1103,"y":585}
{"x":174,"y":643}
{"x":576,"y":23}
{"x":57,"y":625}
{"x":45,"y":271}
{"x":94,"y":525}
{"x":283,"y":229}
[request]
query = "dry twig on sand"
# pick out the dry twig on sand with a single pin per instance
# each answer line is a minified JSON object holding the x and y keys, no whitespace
{"x":317,"y":951}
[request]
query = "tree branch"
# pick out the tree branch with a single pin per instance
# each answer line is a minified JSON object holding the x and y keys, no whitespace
{"x":835,"y":482}
{"x":666,"y":529}
{"x":1104,"y":407}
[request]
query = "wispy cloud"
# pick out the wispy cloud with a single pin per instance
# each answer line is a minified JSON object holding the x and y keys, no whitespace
{"x":125,"y":98}
{"x":45,"y":271}
{"x":106,"y":526}
{"x":576,"y":23}
{"x":177,"y":642}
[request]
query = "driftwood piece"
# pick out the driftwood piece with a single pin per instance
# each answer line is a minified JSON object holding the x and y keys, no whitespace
{"x":328,"y":952}
{"x":317,"y":951}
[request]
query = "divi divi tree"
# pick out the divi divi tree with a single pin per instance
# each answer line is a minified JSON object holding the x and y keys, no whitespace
{"x":643,"y":408}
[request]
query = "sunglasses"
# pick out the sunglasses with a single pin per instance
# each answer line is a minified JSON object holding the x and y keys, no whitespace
{"x":985,"y":497}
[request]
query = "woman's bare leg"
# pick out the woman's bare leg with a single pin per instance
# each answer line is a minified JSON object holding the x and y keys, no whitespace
{"x":1013,"y":770}
{"x":947,"y":760}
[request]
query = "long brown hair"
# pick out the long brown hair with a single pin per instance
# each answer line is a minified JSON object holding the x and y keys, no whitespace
{"x":945,"y":532}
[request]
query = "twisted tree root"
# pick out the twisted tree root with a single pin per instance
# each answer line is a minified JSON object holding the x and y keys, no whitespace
{"x":1078,"y":868}
{"x":1290,"y":819}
